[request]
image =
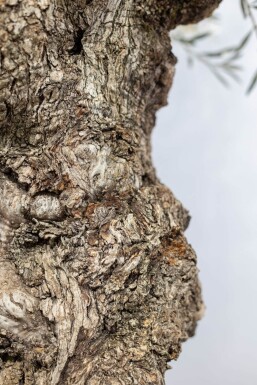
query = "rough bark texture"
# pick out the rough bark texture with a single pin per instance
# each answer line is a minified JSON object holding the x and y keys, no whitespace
{"x":98,"y":284}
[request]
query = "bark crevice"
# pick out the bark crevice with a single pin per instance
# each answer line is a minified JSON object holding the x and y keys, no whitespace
{"x":78,"y":47}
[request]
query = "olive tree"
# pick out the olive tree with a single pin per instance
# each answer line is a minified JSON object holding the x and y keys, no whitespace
{"x":98,"y":284}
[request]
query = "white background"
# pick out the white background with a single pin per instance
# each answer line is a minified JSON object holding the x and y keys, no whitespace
{"x":205,"y":150}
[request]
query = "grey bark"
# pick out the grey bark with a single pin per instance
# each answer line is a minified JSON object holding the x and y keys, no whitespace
{"x":98,"y":284}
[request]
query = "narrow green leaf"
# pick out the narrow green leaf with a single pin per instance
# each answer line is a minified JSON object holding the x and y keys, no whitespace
{"x":193,"y":39}
{"x":244,"y":7}
{"x":199,"y":37}
{"x":232,"y":72}
{"x":230,"y":49}
{"x":220,"y":77}
{"x":252,"y":84}
{"x":244,"y":41}
{"x":218,"y":53}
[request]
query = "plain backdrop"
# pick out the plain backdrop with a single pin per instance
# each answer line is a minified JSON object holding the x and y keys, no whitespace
{"x":205,"y":150}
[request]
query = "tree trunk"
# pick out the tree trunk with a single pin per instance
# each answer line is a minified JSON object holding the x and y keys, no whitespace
{"x":98,"y":284}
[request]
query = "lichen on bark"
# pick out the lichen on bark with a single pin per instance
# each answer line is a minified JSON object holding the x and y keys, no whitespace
{"x":98,"y":284}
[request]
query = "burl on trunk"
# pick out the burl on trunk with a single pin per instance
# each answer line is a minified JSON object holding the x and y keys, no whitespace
{"x":98,"y":284}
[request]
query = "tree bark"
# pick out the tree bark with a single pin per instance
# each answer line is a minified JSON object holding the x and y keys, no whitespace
{"x":98,"y":284}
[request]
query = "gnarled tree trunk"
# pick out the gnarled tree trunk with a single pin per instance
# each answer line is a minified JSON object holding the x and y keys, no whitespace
{"x":98,"y":284}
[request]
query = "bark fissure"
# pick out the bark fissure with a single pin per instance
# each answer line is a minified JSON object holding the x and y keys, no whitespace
{"x":78,"y":47}
{"x":98,"y":284}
